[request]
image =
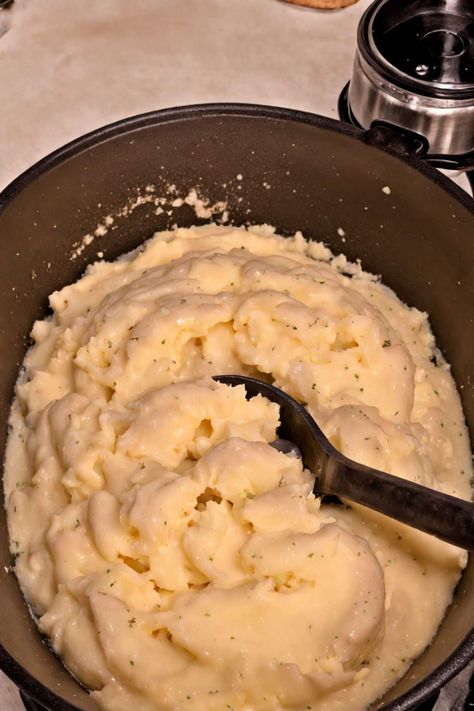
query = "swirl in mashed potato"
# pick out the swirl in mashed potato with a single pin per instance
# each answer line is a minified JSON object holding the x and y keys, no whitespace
{"x":172,"y":556}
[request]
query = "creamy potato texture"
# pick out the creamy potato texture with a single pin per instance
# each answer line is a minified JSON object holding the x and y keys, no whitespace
{"x":172,"y":556}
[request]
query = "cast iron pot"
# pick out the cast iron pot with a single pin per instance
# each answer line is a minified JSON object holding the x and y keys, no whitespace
{"x":323,"y":175}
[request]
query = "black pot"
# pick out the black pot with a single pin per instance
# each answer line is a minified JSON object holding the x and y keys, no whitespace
{"x":322,"y":175}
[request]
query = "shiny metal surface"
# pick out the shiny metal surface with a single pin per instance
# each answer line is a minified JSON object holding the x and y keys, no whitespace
{"x":448,"y":125}
{"x":441,"y":111}
{"x":426,"y":45}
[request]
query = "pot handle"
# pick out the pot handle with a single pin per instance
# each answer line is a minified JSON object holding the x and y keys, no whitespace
{"x":406,"y":143}
{"x":398,"y":140}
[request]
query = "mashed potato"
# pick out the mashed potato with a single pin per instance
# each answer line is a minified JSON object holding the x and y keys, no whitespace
{"x":172,"y":556}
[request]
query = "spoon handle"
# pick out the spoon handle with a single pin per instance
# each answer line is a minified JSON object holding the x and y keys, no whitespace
{"x":444,"y":516}
{"x":441,"y":515}
{"x":447,"y":517}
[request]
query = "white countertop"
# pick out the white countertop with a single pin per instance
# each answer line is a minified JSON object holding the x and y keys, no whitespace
{"x":69,"y":66}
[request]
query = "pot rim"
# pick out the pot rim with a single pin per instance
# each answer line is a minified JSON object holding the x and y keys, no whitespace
{"x":465,"y":651}
{"x":194,"y":111}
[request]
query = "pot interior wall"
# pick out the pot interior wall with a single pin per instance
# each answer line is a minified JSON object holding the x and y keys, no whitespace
{"x":295,"y":175}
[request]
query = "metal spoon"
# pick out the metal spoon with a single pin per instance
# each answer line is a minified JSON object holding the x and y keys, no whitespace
{"x":444,"y":516}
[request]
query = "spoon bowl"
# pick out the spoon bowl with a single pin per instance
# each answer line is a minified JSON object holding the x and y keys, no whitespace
{"x":447,"y":517}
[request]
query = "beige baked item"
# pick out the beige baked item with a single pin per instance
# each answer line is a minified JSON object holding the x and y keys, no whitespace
{"x":323,"y":4}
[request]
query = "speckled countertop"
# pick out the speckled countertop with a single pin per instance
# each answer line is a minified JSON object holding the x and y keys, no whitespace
{"x":69,"y":66}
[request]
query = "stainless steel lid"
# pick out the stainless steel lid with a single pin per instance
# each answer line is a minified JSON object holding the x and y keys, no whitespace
{"x":414,"y":68}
